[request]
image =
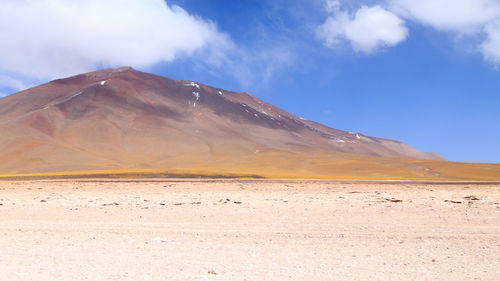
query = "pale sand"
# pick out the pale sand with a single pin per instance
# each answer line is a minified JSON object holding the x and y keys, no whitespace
{"x":282,"y":230}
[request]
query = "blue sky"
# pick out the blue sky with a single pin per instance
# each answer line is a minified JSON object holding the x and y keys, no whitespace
{"x":401,"y":69}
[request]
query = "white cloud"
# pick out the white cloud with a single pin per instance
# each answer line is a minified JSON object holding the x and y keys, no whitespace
{"x":465,"y":18}
{"x":368,"y":30}
{"x":462,"y":16}
{"x":371,"y":28}
{"x":47,"y":39}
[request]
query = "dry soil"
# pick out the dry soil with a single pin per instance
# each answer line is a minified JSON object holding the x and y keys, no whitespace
{"x":248,"y":230}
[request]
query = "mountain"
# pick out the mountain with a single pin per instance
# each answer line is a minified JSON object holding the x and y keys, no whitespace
{"x":123,"y":119}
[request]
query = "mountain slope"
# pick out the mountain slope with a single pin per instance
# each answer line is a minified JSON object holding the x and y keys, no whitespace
{"x":126,"y":119}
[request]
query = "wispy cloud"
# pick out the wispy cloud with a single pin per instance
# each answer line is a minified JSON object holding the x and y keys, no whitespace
{"x":46,"y":39}
{"x":268,"y":47}
{"x":254,"y":68}
{"x":491,"y":46}
{"x":12,"y":83}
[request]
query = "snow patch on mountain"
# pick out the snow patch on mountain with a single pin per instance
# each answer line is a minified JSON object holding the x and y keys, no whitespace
{"x":192,"y":84}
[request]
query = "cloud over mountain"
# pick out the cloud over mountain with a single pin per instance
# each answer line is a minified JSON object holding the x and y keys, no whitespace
{"x":52,"y":38}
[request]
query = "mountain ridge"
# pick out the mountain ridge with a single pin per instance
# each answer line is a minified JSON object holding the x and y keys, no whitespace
{"x":126,"y":119}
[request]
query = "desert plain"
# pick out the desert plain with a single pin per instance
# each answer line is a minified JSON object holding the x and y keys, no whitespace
{"x":239,"y":229}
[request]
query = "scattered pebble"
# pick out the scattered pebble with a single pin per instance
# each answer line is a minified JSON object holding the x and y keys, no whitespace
{"x":225,"y":201}
{"x":161,"y":240}
{"x":110,"y":204}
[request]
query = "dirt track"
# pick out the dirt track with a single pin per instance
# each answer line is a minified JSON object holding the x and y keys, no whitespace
{"x":248,"y":230}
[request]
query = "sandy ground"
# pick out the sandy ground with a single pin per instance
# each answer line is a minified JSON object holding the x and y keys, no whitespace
{"x":248,"y":230}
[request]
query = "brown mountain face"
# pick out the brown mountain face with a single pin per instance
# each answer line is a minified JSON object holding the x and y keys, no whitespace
{"x":126,"y":119}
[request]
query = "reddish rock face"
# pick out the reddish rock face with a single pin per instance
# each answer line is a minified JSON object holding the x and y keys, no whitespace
{"x":123,"y":118}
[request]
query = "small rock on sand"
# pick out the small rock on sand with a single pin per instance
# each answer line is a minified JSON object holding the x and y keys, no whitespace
{"x":110,"y":204}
